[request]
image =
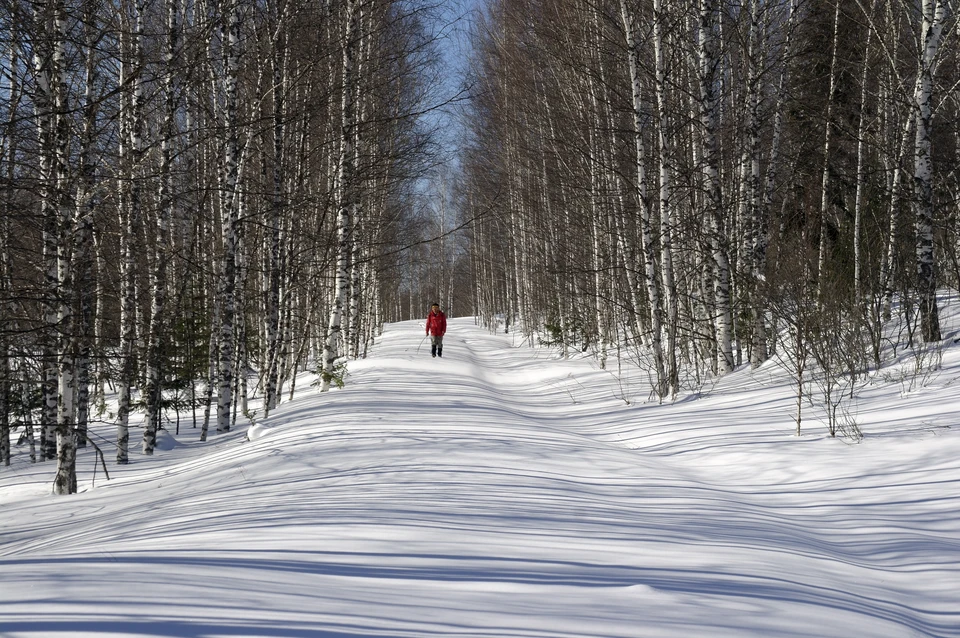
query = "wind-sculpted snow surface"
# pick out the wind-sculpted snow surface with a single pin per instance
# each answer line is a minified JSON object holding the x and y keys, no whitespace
{"x":500,"y":492}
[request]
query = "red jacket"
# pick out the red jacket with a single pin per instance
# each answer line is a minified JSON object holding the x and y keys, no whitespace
{"x":436,"y":323}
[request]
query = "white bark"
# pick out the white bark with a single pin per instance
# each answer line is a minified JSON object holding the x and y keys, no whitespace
{"x":158,"y":282}
{"x":84,"y":247}
{"x":131,"y":152}
{"x":8,"y":148}
{"x":665,"y":156}
{"x":230,"y":212}
{"x":127,"y":317}
{"x":752,"y":201}
{"x":274,"y":260}
{"x":893,"y":208}
{"x":651,"y":278}
{"x":45,"y":108}
{"x":597,"y":256}
{"x":66,"y":478}
{"x":858,"y":196}
{"x":709,"y":68}
{"x":346,"y":193}
{"x":827,"y":141}
{"x":934,"y":15}
{"x":357,"y":263}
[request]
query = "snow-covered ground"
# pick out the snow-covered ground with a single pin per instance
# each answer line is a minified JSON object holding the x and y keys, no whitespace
{"x":501,"y":492}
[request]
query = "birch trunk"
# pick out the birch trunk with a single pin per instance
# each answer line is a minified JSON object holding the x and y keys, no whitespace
{"x":158,"y":284}
{"x":44,"y":105}
{"x":131,"y":152}
{"x":213,"y":25}
{"x":934,"y":15}
{"x":595,"y":234}
{"x":754,"y":214}
{"x":651,"y":279}
{"x":65,"y":481}
{"x":825,"y":176}
{"x":8,"y":151}
{"x":860,"y":177}
{"x":277,"y":205}
{"x":6,"y":394}
{"x":665,"y":157}
{"x":357,"y":293}
{"x":773,"y":160}
{"x":558,"y":233}
{"x":6,"y":386}
{"x":127,"y":291}
{"x":346,"y":192}
{"x":230,"y":212}
{"x":894,"y":187}
{"x":84,"y":243}
{"x":709,"y":67}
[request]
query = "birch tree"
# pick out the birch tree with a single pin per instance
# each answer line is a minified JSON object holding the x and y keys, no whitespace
{"x":708,"y":71}
{"x":138,"y":140}
{"x":931,"y":32}
{"x":165,"y":213}
{"x":651,"y":278}
{"x":130,"y":152}
{"x":661,"y":19}
{"x":229,"y":15}
{"x":345,"y":193}
{"x":12,"y":87}
{"x":44,"y":57}
{"x":278,"y":66}
{"x":88,"y":193}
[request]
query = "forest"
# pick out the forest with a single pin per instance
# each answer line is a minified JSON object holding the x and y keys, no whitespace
{"x":200,"y":198}
{"x":699,"y":184}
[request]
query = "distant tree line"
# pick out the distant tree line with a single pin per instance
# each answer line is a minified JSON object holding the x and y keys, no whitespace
{"x":692,"y":179}
{"x":197,"y":196}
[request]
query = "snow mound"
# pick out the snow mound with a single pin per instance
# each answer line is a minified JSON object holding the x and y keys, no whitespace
{"x":256,"y":431}
{"x":165,"y":441}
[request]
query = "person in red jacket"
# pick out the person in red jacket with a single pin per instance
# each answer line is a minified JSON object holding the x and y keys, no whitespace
{"x":436,"y":326}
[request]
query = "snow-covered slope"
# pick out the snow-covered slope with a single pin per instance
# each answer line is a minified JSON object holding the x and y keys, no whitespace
{"x":500,"y":492}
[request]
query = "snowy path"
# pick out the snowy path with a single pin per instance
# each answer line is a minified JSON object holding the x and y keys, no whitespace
{"x":496,"y":493}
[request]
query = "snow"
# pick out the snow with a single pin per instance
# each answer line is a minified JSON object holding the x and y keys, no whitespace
{"x":503,"y":492}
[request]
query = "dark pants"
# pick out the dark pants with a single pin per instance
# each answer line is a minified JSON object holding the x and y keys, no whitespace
{"x":436,"y":346}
